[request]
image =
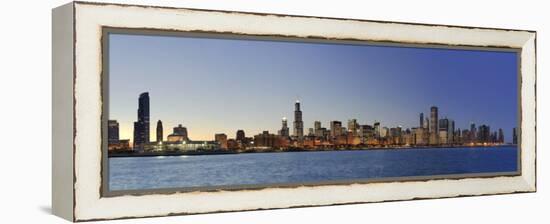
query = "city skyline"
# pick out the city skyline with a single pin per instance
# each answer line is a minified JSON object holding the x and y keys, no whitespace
{"x":207,"y":106}
{"x":431,"y":130}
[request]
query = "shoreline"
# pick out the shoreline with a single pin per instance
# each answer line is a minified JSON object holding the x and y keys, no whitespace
{"x":226,"y":152}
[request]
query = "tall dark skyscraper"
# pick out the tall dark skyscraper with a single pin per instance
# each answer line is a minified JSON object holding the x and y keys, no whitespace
{"x":500,"y":135}
{"x":336,"y":129}
{"x":319,"y":131}
{"x":484,"y":134}
{"x":451,"y":131}
{"x":159,"y":131}
{"x":240,"y":136}
{"x":317,"y":125}
{"x":443,"y":124}
{"x":141,"y":126}
{"x":298,"y":122}
{"x":112,"y":131}
{"x":376,"y":129}
{"x":284,"y":132}
{"x":446,"y":130}
{"x":514,"y":136}
{"x":457,"y":136}
{"x":473,"y":132}
{"x":353,"y":126}
{"x":434,"y":130}
{"x":421,"y":120}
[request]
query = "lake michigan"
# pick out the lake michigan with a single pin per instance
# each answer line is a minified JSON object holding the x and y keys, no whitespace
{"x":141,"y":173}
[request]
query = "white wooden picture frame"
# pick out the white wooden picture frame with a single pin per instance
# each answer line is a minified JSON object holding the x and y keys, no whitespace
{"x":77,"y":110}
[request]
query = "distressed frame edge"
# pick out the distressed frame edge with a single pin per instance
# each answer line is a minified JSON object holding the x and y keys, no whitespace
{"x":533,"y":189}
{"x":529,"y":63}
{"x":63,"y":128}
{"x":297,"y":16}
{"x":303,"y":206}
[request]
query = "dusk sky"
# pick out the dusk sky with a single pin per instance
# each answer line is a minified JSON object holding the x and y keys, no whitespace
{"x":219,"y":85}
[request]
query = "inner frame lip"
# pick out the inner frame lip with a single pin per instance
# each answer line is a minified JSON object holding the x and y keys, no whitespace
{"x":104,"y":80}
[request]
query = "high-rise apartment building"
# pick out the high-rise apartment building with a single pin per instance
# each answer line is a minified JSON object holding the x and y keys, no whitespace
{"x":160,"y":135}
{"x":112,"y":132}
{"x":434,"y":126}
{"x":335,"y":129}
{"x":298,"y":122}
{"x":141,"y":126}
{"x":284,"y":132}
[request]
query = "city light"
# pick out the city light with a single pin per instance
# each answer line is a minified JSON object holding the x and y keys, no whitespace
{"x":431,"y":131}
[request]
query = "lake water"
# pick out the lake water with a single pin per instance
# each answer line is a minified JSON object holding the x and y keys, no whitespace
{"x":139,"y":173}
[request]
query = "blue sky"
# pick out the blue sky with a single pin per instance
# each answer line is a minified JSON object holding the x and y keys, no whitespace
{"x":221,"y":85}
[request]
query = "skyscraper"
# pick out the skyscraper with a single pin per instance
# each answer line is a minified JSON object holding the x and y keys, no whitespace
{"x":141,"y":126}
{"x":434,"y":130}
{"x":112,"y":131}
{"x":298,"y":122}
{"x":500,"y":136}
{"x":426,"y":124}
{"x":335,"y":129}
{"x":396,"y":132}
{"x":443,"y":124}
{"x":473,"y":132}
{"x":443,"y":131}
{"x":384,"y":132}
{"x":421,"y":136}
{"x":421,"y":120}
{"x":366,"y":132}
{"x":221,"y":139}
{"x":451,"y":132}
{"x":318,"y":130}
{"x":447,"y":131}
{"x":458,"y":136}
{"x":240,"y":136}
{"x":159,"y":131}
{"x":317,"y":125}
{"x":265,"y":139}
{"x":284,"y":132}
{"x":310,"y":132}
{"x":376,"y":129}
{"x":484,"y":134}
{"x":353,"y":126}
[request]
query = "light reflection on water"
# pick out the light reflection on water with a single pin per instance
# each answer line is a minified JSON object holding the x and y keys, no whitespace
{"x":132,"y":173}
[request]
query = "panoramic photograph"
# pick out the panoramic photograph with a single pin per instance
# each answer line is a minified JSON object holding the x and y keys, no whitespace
{"x":219,"y":112}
